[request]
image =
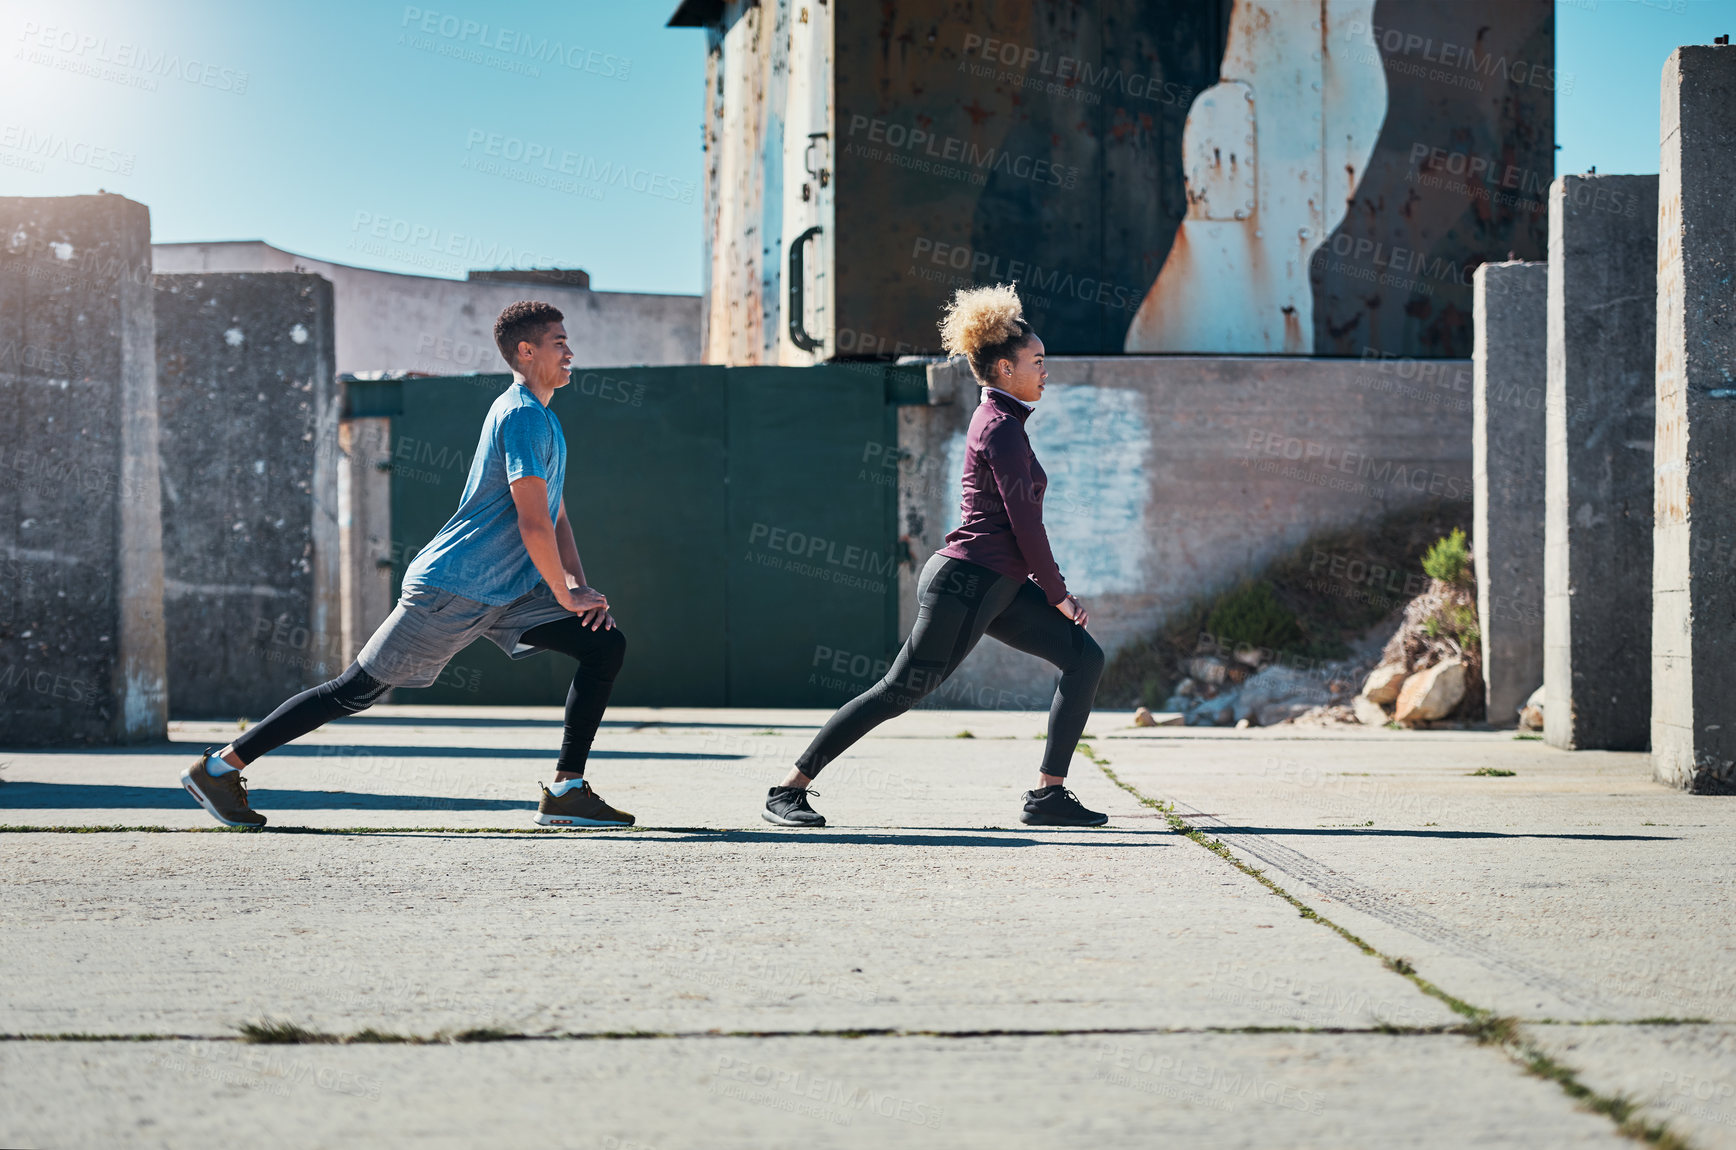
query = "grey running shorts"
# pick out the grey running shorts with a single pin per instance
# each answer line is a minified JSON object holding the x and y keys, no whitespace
{"x":430,"y":626}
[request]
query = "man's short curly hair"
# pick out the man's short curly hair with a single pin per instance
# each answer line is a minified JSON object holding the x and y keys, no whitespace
{"x":525,"y":320}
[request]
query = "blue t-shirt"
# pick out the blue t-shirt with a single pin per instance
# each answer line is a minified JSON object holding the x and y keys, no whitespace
{"x":479,"y":554}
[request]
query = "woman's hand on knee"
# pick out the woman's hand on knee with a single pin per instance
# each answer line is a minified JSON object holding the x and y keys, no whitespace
{"x":1074,"y":610}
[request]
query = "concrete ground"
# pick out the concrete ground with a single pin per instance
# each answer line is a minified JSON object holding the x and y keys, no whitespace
{"x":1283,"y":938}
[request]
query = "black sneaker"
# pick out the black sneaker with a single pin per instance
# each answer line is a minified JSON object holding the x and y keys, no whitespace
{"x":1058,"y":807}
{"x":788,"y":807}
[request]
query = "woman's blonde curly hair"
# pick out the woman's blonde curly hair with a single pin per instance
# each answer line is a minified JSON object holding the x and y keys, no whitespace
{"x":984,"y":325}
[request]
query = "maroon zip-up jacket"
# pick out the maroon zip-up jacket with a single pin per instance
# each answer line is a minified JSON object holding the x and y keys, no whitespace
{"x":1002,"y":506}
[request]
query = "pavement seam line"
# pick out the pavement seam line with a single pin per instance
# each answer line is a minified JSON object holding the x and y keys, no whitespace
{"x":1484,"y":1025}
{"x":248,"y":1031}
{"x":290,"y":1034}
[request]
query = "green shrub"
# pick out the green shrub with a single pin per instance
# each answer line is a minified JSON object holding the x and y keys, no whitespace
{"x":1456,"y":622}
{"x":1252,"y":614}
{"x":1449,"y":560}
{"x":1463,"y":621}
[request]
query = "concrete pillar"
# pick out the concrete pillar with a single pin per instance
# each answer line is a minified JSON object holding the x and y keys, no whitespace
{"x":1693,"y":725}
{"x":81,"y":561}
{"x":248,"y":394}
{"x":365,"y":528}
{"x":1598,"y":528}
{"x":1508,"y":448}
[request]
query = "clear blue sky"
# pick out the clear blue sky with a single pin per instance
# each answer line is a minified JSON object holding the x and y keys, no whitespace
{"x":362,"y":138}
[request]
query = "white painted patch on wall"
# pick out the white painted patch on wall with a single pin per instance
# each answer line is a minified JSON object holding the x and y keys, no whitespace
{"x":298,"y":334}
{"x":1095,"y":446}
{"x":139,"y":707}
{"x":233,"y":337}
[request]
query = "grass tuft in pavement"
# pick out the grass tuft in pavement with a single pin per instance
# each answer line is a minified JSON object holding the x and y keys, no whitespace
{"x":1492,"y":773}
{"x":1618,"y":1108}
{"x":271,"y":1032}
{"x":484,"y":1034}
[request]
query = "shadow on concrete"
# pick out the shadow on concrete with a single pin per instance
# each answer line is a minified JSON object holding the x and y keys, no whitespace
{"x":617,"y":724}
{"x":336,"y":751}
{"x":668,"y":836}
{"x":1373,"y":832}
{"x":913,"y":836}
{"x":675,"y":836}
{"x":24,"y":796}
{"x":348,"y":750}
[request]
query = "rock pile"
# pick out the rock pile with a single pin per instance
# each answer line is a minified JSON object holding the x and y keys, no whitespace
{"x":1426,"y":675}
{"x":1531,"y":714}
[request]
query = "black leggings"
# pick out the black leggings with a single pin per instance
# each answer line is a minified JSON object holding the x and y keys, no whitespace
{"x":958,"y":603}
{"x":599,"y":654}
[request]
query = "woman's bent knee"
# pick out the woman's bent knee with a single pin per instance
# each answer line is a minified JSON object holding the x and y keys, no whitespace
{"x":1089,"y":661}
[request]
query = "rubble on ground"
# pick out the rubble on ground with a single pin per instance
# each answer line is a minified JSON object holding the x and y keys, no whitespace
{"x":1423,"y":676}
{"x":1531,"y":714}
{"x":1243,"y":689}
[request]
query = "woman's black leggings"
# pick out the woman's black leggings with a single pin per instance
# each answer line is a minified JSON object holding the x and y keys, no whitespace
{"x":958,"y":604}
{"x":599,"y":654}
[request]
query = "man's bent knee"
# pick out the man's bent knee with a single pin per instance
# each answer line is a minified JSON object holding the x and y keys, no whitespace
{"x":356,"y":690}
{"x":613,"y":650}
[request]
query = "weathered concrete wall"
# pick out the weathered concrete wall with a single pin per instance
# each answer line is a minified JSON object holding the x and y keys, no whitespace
{"x":1174,"y":477}
{"x":1598,"y":537}
{"x":1508,"y":449}
{"x":248,"y":395}
{"x":365,"y":528}
{"x":81,"y":598}
{"x":391,"y":322}
{"x":1693,"y":661}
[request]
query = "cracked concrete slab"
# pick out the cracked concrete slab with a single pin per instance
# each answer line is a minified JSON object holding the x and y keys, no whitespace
{"x":1574,"y":888}
{"x":1683,"y":1075}
{"x":1256,"y":1091}
{"x":925,"y":905}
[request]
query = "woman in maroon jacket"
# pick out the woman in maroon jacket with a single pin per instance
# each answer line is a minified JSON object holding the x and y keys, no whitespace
{"x":995,"y":576}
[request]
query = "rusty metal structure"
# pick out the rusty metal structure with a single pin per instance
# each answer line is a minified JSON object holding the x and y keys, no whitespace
{"x":1302,"y":177}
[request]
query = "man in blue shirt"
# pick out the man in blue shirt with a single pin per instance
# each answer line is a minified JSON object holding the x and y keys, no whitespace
{"x":504,"y":567}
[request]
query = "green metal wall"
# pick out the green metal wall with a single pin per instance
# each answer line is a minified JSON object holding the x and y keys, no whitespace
{"x":739,"y":519}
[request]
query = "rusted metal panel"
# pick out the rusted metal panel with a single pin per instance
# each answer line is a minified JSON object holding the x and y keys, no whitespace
{"x":1262,"y":148}
{"x":1029,"y":140}
{"x":1459,"y":177}
{"x":1399,"y":144}
{"x":746,"y":81}
{"x":807,"y":187}
{"x":768,"y":180}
